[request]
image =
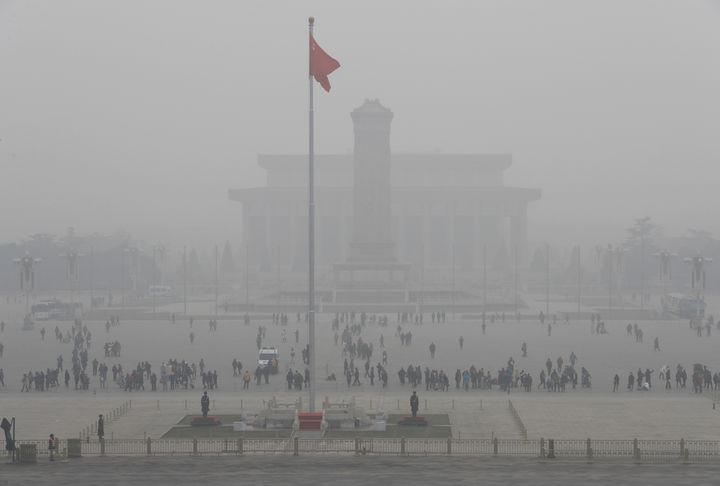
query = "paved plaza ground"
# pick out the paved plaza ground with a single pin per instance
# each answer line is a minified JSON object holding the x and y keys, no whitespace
{"x":340,"y":471}
{"x":596,"y":413}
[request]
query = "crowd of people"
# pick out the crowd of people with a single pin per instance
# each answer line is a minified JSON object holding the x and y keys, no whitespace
{"x":357,"y":335}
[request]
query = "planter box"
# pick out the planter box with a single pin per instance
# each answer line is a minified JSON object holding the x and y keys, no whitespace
{"x":410,"y":420}
{"x":204,"y":421}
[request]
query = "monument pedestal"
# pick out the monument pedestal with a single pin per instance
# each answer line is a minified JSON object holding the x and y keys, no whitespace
{"x":372,"y":252}
{"x":370,"y":282}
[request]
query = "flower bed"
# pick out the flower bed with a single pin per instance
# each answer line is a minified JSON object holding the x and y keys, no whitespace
{"x":203,"y":421}
{"x":410,"y":420}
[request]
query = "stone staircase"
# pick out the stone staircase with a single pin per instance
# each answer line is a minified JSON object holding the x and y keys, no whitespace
{"x":309,"y":421}
{"x":309,"y":425}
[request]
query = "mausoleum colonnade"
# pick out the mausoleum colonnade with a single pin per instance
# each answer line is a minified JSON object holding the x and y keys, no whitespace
{"x":431,"y":227}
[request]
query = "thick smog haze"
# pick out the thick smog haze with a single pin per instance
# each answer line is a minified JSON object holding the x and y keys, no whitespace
{"x":294,"y":239}
{"x":141,"y":115}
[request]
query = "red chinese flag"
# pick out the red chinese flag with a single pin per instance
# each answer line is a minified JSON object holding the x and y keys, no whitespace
{"x":321,"y":64}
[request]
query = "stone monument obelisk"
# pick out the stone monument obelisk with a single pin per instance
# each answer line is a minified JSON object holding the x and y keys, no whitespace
{"x":371,"y":240}
{"x":371,"y":274}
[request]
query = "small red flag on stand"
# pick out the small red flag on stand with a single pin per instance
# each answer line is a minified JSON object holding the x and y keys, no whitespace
{"x":321,"y":64}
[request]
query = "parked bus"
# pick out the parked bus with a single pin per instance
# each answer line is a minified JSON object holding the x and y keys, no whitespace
{"x":42,"y":311}
{"x":159,"y":290}
{"x":680,"y":306}
{"x":46,"y":310}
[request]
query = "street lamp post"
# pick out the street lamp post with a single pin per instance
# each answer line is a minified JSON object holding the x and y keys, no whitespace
{"x":579,"y":279}
{"x":132,"y":252}
{"x":158,"y":255}
{"x":611,"y":262}
{"x":27,"y":277}
{"x":665,"y":257}
{"x":217,"y":283}
{"x":122,"y":278}
{"x":247,"y":276}
{"x":697,"y":277}
{"x":422,"y":273}
{"x":613,"y":255}
{"x":185,"y":280}
{"x":642,"y":271}
{"x":547,"y":280}
{"x":92,"y":276}
{"x":484,"y":280}
{"x":452,"y":300}
{"x":516,"y":280}
{"x":154,"y":279}
{"x":72,"y":272}
{"x":277,"y":273}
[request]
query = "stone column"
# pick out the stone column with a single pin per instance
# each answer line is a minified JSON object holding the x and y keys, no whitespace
{"x":518,"y":231}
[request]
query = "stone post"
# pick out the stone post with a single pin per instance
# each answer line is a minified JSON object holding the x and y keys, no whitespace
{"x":74,"y":448}
{"x":636,"y":450}
{"x":551,"y":449}
{"x":588,"y":449}
{"x":683,"y":451}
{"x":28,"y":454}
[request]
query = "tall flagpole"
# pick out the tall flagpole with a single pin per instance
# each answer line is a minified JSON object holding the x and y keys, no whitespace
{"x":579,"y":264}
{"x":311,"y":226}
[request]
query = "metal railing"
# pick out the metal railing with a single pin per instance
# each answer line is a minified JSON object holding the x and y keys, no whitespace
{"x":650,"y":451}
{"x":517,"y":419}
{"x":41,"y":447}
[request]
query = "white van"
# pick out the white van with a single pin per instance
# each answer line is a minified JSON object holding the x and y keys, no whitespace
{"x":159,"y":291}
{"x":269,"y":356}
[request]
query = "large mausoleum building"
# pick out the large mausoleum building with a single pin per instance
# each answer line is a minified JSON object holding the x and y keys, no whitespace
{"x":431,"y":212}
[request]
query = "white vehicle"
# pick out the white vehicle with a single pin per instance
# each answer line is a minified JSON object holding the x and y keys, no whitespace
{"x":159,"y":290}
{"x":42,"y":310}
{"x":269,"y":356}
{"x":680,"y":306}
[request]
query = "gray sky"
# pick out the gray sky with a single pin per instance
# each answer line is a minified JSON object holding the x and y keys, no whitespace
{"x":141,"y":114}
